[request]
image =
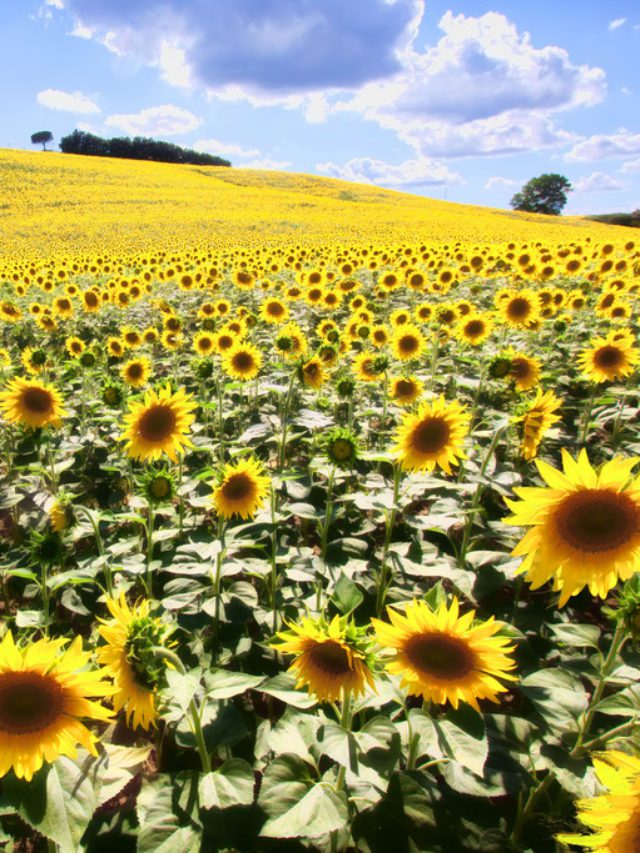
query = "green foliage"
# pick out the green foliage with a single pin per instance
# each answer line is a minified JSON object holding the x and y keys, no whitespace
{"x":544,"y":194}
{"x":41,"y":137}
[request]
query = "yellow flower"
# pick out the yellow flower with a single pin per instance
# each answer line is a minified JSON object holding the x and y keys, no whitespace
{"x":242,"y":489}
{"x":274,"y":311}
{"x":608,"y":359}
{"x":407,"y":342}
{"x":136,"y":372}
{"x":32,"y":404}
{"x":327,"y":661}
{"x":615,"y":816}
{"x":159,"y":424}
{"x":539,"y":417}
{"x":585,"y":526}
{"x":432,"y":436}
{"x":525,"y":370}
{"x":204,"y":343}
{"x":74,"y":346}
{"x":521,"y":308}
{"x":406,"y":390}
{"x":443,"y":656}
{"x":242,"y":361}
{"x":128,"y":657}
{"x":312,"y":373}
{"x":45,"y":692}
{"x":474,"y":329}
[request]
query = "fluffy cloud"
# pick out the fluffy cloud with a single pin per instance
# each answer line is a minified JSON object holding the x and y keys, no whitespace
{"x":631,"y":167}
{"x":420,"y":172}
{"x":265,"y":45}
{"x":69,"y":102}
{"x":598,"y":182}
{"x":214,"y":146}
{"x":165,"y":120}
{"x":266,"y":163}
{"x":622,"y":143}
{"x":617,"y":23}
{"x":497,"y":181}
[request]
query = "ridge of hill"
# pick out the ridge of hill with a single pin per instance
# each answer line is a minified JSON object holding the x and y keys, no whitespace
{"x":64,"y":204}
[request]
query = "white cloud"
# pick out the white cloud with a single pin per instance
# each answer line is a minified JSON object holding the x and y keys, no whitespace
{"x":266,"y":163}
{"x":81,"y":32}
{"x":420,"y":172}
{"x":214,"y":146}
{"x":617,"y":23}
{"x":598,"y":182}
{"x":497,"y":181}
{"x":631,"y":167}
{"x":165,"y":120}
{"x":70,"y":102}
{"x":85,"y":127}
{"x":622,"y":143}
{"x":174,"y":66}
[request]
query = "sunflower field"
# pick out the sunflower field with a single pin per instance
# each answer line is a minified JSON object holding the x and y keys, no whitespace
{"x":319,"y":523}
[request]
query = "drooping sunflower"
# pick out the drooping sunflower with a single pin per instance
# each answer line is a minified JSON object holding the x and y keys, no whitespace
{"x":46,"y":691}
{"x":585,"y":526}
{"x":159,"y":424}
{"x":131,"y":635}
{"x":405,"y":390}
{"x":243,"y":361}
{"x":407,"y":342}
{"x":536,"y":420}
{"x":32,"y":404}
{"x":136,"y":372}
{"x":607,"y":359}
{"x":241,"y":489}
{"x":331,"y":659}
{"x":615,"y":816}
{"x":312,"y":374}
{"x":445,"y":657}
{"x":432,"y":436}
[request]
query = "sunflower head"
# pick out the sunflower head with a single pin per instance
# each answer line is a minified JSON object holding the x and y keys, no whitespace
{"x":159,"y":486}
{"x":240,"y":489}
{"x":331,"y":659}
{"x":341,"y":447}
{"x":61,"y":513}
{"x":433,"y":436}
{"x":47,"y":548}
{"x":159,"y":424}
{"x":87,"y":359}
{"x":112,"y":394}
{"x":500,"y":367}
{"x":345,"y":386}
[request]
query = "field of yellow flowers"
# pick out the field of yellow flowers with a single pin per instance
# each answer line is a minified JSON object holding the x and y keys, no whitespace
{"x":319,"y":518}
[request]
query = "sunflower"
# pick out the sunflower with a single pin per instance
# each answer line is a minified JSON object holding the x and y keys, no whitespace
{"x":311,"y":373}
{"x":474,"y":329}
{"x":405,"y":390}
{"x":136,"y":372}
{"x":225,"y":340}
{"x":32,"y":404}
{"x":407,"y":342}
{"x":128,"y":656}
{"x":115,"y":346}
{"x":204,"y":343}
{"x":241,"y":489}
{"x":61,"y":513}
{"x":34,"y":360}
{"x":445,"y":658}
{"x":274,"y":311}
{"x":74,"y":346}
{"x":615,"y":816}
{"x":585,"y":526}
{"x":607,"y":359}
{"x":331,"y":659}
{"x":366,"y":367}
{"x":432,"y":436}
{"x":521,"y":308}
{"x":243,"y":361}
{"x":538,"y":418}
{"x":525,"y":370}
{"x":159,"y":424}
{"x":46,"y":690}
{"x":90,"y":300}
{"x":341,"y":447}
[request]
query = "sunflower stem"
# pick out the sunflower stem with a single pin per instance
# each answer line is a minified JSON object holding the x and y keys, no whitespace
{"x":180,"y":497}
{"x":274,"y":560}
{"x":587,"y":415}
{"x":194,"y":712}
{"x":466,"y":536}
{"x":435,"y":351}
{"x":217,"y":577}
{"x":151,"y":520}
{"x":45,"y":597}
{"x":220,"y":420}
{"x":285,"y":415}
{"x":95,"y":524}
{"x":391,"y":520}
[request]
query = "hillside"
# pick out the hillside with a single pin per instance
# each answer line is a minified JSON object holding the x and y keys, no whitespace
{"x":56,"y":204}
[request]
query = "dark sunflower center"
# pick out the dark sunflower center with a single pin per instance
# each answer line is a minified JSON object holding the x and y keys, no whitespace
{"x":518,"y":308}
{"x":37,"y":400}
{"x":520,"y":368}
{"x":404,"y":388}
{"x":444,"y":657}
{"x":243,"y":361}
{"x":157,"y":423}
{"x":135,"y":371}
{"x":608,"y":356}
{"x":91,"y":299}
{"x":597,"y":520}
{"x":474,"y":327}
{"x":225,"y":341}
{"x":342,"y":449}
{"x":431,"y":435}
{"x":205,"y":343}
{"x":275,"y":309}
{"x":29,"y":702}
{"x":237,"y":487}
{"x":408,"y":343}
{"x":331,"y":658}
{"x":311,"y":370}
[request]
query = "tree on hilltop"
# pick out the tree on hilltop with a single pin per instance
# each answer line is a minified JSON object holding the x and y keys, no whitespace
{"x":41,"y":138}
{"x":545,"y":194}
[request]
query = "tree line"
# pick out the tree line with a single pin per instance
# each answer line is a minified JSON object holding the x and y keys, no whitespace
{"x":138,"y":148}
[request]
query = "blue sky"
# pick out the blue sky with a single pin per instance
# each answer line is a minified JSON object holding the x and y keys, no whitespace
{"x":459,"y":100}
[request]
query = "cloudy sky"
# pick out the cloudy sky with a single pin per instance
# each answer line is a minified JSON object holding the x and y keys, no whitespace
{"x":460,"y":100}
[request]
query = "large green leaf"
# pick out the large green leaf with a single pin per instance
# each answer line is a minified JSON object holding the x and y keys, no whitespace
{"x":163,"y":827}
{"x":223,"y":683}
{"x":230,"y":785}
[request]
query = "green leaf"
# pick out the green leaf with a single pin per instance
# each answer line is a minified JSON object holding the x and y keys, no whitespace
{"x":624,"y":703}
{"x":60,"y":800}
{"x":346,"y":595}
{"x":558,"y":696}
{"x":178,"y":694}
{"x":223,"y":683}
{"x":160,"y":824}
{"x":319,"y":811}
{"x":283,"y":688}
{"x":124,"y":762}
{"x":577,"y":635}
{"x":230,"y":785}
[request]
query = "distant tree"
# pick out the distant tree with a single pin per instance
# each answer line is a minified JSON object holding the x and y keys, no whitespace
{"x":545,"y":194}
{"x":139,"y":148}
{"x":41,"y":138}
